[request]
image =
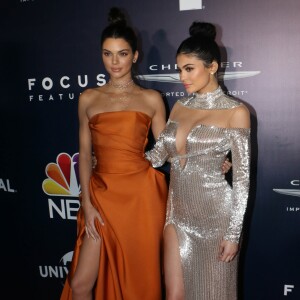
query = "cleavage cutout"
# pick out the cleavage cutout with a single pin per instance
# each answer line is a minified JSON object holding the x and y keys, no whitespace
{"x":182,"y":135}
{"x":181,"y":138}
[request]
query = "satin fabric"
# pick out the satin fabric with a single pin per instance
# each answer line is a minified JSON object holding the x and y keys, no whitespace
{"x":131,"y":198}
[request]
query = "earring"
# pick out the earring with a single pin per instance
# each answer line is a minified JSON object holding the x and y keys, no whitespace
{"x":212,"y":73}
{"x":134,"y":61}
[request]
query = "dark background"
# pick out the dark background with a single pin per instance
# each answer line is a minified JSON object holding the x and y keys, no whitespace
{"x":52,"y":39}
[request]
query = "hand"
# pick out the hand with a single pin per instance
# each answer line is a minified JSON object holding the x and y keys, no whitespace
{"x":90,"y":216}
{"x":94,"y":161}
{"x":226,"y":166}
{"x":227,"y":251}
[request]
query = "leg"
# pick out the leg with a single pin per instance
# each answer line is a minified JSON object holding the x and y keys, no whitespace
{"x":87,"y":268}
{"x":172,"y":265}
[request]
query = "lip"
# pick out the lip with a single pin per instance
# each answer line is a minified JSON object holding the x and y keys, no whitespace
{"x":186,"y":86}
{"x":116,"y":69}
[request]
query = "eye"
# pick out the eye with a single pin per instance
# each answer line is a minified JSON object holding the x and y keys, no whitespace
{"x":189,"y":69}
{"x":123,"y":53}
{"x":105,"y":53}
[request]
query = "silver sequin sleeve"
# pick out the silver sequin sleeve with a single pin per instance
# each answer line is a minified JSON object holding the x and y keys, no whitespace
{"x":158,"y":155}
{"x":240,"y":149}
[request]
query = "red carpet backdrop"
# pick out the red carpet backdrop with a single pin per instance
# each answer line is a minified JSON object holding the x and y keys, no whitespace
{"x":50,"y":53}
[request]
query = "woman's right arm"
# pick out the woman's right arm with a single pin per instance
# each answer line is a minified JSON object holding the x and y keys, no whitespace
{"x":85,"y":150}
{"x":85,"y":167}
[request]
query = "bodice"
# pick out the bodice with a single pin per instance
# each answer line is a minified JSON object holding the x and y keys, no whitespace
{"x":119,"y":140}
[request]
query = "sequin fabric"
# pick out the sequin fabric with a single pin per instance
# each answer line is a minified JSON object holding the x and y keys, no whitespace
{"x":202,"y":206}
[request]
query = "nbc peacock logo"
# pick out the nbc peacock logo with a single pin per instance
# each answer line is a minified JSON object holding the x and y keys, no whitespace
{"x":63,"y":176}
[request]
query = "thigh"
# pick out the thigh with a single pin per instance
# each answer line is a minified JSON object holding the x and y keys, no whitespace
{"x":172,"y":264}
{"x":88,"y":262}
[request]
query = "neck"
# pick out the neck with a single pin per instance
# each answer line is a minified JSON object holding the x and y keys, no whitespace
{"x":210,"y":88}
{"x":206,"y":100}
{"x":120,"y":84}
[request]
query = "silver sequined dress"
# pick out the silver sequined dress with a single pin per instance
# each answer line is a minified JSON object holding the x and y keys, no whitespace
{"x":202,"y":206}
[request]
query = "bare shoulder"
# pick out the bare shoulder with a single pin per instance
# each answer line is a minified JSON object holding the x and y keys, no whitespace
{"x":88,"y":97}
{"x":153,"y":100}
{"x":175,"y":109}
{"x":240,"y":117}
{"x":90,"y":93}
{"x":241,"y":111}
{"x":152,"y":95}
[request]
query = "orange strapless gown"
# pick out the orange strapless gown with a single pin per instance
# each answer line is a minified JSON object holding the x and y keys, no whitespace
{"x":131,"y":198}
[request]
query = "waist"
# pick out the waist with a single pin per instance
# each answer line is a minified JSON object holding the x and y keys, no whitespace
{"x":121,"y":164}
{"x":204,"y":166}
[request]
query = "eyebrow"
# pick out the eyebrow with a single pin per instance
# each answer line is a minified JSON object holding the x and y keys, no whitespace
{"x":117,"y":51}
{"x":186,"y":65}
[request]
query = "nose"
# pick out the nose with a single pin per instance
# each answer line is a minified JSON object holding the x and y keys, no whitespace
{"x":181,"y":77}
{"x":115,"y":59}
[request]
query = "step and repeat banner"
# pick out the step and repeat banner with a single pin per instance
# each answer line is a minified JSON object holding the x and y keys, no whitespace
{"x":50,"y":53}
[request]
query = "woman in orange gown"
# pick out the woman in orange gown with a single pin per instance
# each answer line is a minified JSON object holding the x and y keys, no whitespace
{"x":117,"y":255}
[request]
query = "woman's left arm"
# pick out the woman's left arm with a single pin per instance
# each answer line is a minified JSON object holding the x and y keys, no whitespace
{"x":240,"y":149}
{"x":158,"y":122}
{"x":158,"y":155}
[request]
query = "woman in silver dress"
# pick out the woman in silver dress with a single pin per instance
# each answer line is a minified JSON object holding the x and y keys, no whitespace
{"x":204,"y":212}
